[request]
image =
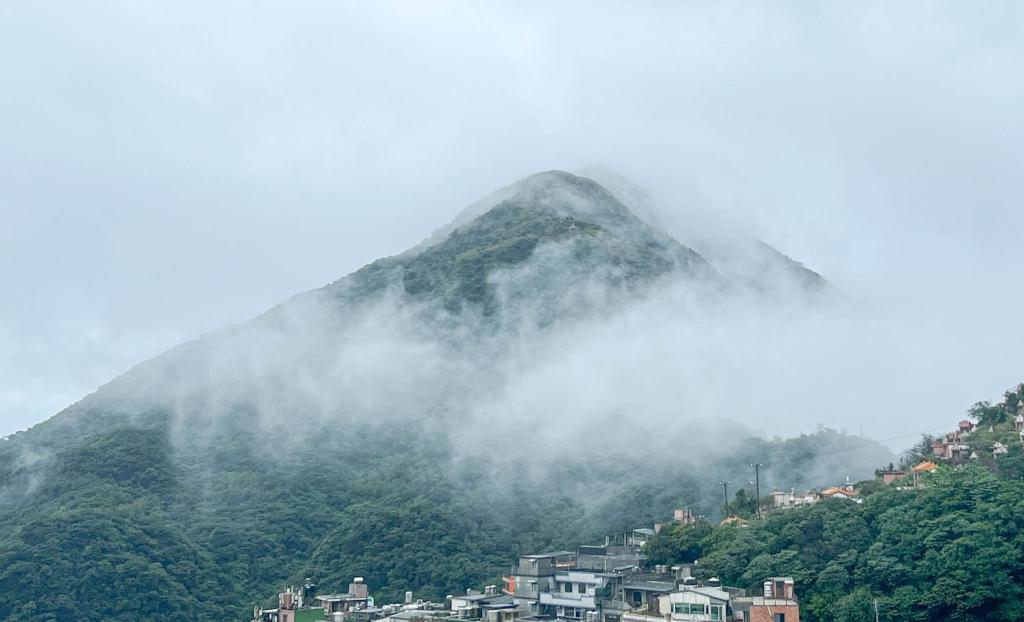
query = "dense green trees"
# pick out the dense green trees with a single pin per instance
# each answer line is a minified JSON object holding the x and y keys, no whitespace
{"x":953,"y":550}
{"x":129,"y":523}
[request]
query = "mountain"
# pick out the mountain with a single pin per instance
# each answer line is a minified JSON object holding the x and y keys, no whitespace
{"x":417,"y":422}
{"x":736,"y":255}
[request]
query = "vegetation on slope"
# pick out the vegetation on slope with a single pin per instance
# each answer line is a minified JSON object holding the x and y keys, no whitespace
{"x":128,"y":526}
{"x":952,"y":549}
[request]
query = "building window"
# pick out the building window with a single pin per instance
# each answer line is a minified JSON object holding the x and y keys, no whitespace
{"x":567,"y":588}
{"x":689,"y":608}
{"x":716,"y":612}
{"x":582,"y":588}
{"x":780,"y":617}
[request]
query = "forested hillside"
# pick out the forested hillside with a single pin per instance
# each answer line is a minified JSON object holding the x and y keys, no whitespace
{"x":952,"y":549}
{"x":124,"y":527}
{"x":364,"y":428}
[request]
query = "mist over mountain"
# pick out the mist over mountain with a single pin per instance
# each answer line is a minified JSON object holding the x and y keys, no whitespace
{"x":550,"y":364}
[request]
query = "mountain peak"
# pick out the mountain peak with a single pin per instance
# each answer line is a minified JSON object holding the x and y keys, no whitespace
{"x":598,"y":237}
{"x":557,"y":191}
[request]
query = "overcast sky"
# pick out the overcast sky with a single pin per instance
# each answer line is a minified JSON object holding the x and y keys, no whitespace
{"x":170,"y":168}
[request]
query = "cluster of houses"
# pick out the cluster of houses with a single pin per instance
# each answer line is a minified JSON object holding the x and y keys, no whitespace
{"x":953,"y":448}
{"x":782,"y":499}
{"x":609,"y":582}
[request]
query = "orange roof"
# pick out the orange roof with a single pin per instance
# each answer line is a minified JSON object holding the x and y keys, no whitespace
{"x":833,"y":490}
{"x":728,"y":520}
{"x":927,"y":465}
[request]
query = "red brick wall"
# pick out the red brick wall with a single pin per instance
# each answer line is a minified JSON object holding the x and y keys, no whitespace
{"x":767,"y":614}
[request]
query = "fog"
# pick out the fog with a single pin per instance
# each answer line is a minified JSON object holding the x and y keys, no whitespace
{"x":171,"y":169}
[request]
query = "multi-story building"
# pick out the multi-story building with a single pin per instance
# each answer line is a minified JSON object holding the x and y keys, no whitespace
{"x":336,"y":606}
{"x":533,"y":575}
{"x":576,"y":594}
{"x":681,"y":601}
{"x":489,"y":606}
{"x":777,"y":604}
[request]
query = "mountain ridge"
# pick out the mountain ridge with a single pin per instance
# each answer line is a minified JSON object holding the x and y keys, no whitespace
{"x":356,"y":428}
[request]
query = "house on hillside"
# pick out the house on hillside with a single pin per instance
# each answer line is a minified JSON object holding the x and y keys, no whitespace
{"x":922,"y":468}
{"x":335,"y":606}
{"x":489,"y":606}
{"x":684,"y":516}
{"x":782,"y":500}
{"x":889,"y":476}
{"x":577,"y":594}
{"x":290,"y":603}
{"x":534,"y":574}
{"x":951,"y":447}
{"x":682,"y":601}
{"x":694,"y":602}
{"x":641,"y":594}
{"x":777,"y":603}
{"x":576,"y":586}
{"x":845,"y":491}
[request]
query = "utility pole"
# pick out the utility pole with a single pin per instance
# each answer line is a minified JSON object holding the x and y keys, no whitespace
{"x":757,"y":485}
{"x":725,"y":488}
{"x":876,"y":610}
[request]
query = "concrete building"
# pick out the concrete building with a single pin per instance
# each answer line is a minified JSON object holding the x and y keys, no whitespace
{"x":684,"y":516}
{"x":699,"y":603}
{"x":576,"y":594}
{"x":489,"y":606}
{"x":340,"y":607}
{"x":534,"y":574}
{"x":777,"y":603}
{"x":288,"y":602}
{"x":840,"y":492}
{"x":891,"y":475}
{"x":782,"y":499}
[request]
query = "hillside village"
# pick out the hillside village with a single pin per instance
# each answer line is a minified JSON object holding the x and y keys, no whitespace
{"x":601,"y":583}
{"x":615,"y":582}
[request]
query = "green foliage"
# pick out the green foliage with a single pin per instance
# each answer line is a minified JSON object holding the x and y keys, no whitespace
{"x":128,"y":525}
{"x":100,"y":544}
{"x":987,"y":414}
{"x":952,"y":550}
{"x":743,"y":504}
{"x":678,"y":542}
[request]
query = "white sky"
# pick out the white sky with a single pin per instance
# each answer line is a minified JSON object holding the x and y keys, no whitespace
{"x":169,"y":168}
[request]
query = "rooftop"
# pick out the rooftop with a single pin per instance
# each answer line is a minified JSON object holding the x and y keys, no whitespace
{"x":651,"y":586}
{"x":546,"y":555}
{"x":711,"y":592}
{"x":333,"y":598}
{"x":927,"y":465}
{"x":478,"y":597}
